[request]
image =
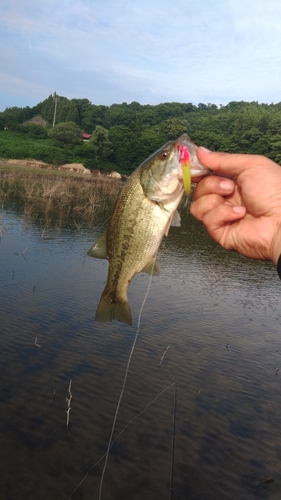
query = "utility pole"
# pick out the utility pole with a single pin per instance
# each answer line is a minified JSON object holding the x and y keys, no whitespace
{"x":56,"y":100}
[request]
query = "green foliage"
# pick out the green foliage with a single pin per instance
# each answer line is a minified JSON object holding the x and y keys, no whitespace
{"x":124,"y":147}
{"x":124,"y":135}
{"x":33,"y":130}
{"x":173,"y":127}
{"x":46,"y":109}
{"x":66,"y":134}
{"x":100,"y":143}
{"x":81,"y":106}
{"x":20,"y":146}
{"x":12,"y":117}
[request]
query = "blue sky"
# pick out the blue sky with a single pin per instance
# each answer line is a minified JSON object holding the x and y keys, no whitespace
{"x":150,"y":51}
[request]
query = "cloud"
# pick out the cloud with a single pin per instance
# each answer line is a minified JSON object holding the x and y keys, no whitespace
{"x":147,"y":51}
{"x":11,"y":84}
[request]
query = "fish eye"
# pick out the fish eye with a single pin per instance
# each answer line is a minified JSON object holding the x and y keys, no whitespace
{"x":164,"y":155}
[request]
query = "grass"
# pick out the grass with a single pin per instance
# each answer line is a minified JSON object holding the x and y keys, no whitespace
{"x":57,"y":197}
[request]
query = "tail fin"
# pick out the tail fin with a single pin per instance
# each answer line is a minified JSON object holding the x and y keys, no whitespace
{"x":108,"y":311}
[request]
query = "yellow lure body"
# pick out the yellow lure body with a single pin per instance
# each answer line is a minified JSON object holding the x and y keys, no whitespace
{"x":186,"y":177}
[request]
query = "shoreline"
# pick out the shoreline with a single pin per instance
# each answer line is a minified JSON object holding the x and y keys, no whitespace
{"x":33,"y":169}
{"x":57,"y":197}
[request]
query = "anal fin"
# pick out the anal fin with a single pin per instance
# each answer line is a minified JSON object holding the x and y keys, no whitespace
{"x":152,"y":268}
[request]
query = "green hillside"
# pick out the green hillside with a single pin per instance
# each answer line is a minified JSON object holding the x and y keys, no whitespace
{"x":123,"y":135}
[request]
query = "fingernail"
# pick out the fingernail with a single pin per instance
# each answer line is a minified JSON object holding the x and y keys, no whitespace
{"x":238,"y":209}
{"x":205,"y":149}
{"x":226,"y":185}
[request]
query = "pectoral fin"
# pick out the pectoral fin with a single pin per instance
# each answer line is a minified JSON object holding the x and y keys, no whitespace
{"x":99,"y":249}
{"x":174,"y":220}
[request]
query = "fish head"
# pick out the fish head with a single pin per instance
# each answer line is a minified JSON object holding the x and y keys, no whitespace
{"x":159,"y":174}
{"x":170,"y":170}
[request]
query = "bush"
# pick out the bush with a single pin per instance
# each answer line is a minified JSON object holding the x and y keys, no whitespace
{"x":21,"y":146}
{"x":66,"y":134}
{"x":33,"y":130}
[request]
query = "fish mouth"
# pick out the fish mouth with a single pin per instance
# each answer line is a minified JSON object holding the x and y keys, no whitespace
{"x":187,"y":159}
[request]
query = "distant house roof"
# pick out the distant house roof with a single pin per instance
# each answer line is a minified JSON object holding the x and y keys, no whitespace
{"x":86,"y":137}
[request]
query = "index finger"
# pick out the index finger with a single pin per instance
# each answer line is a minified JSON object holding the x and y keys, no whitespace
{"x":230,"y":164}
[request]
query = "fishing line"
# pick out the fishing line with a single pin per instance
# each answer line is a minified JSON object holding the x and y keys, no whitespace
{"x":111,"y":442}
{"x":125,"y":378}
{"x":173,"y":445}
{"x":123,"y":430}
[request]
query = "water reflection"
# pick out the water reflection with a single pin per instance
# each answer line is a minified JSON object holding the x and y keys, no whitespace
{"x":220,"y":316}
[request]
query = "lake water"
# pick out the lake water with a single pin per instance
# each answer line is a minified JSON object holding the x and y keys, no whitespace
{"x":211,"y":326}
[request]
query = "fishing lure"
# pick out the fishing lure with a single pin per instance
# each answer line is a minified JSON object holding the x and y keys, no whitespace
{"x":184,"y":156}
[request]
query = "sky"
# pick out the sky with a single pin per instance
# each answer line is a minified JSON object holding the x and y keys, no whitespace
{"x":149,"y":51}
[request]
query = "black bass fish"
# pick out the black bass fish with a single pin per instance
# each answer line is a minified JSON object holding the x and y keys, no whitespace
{"x":143,"y":214}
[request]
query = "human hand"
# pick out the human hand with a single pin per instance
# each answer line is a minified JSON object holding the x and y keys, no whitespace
{"x":241,"y":209}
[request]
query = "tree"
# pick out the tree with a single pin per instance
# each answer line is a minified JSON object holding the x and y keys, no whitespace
{"x":47,"y":109}
{"x":125,"y":134}
{"x":100,"y":142}
{"x":124,"y":147}
{"x":81,"y":105}
{"x":173,"y":128}
{"x":149,"y":141}
{"x":33,"y":130}
{"x":66,"y":134}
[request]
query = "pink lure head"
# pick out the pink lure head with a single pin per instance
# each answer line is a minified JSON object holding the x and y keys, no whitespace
{"x":184,"y":154}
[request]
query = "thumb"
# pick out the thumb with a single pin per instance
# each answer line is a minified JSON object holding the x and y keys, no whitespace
{"x":227,"y":164}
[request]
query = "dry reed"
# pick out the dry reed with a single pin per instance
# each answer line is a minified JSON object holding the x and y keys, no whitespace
{"x":64,"y":199}
{"x":68,"y":402}
{"x":36,"y":343}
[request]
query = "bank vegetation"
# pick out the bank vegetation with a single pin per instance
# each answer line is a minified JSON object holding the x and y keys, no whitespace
{"x":58,"y":197}
{"x":121,"y":136}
